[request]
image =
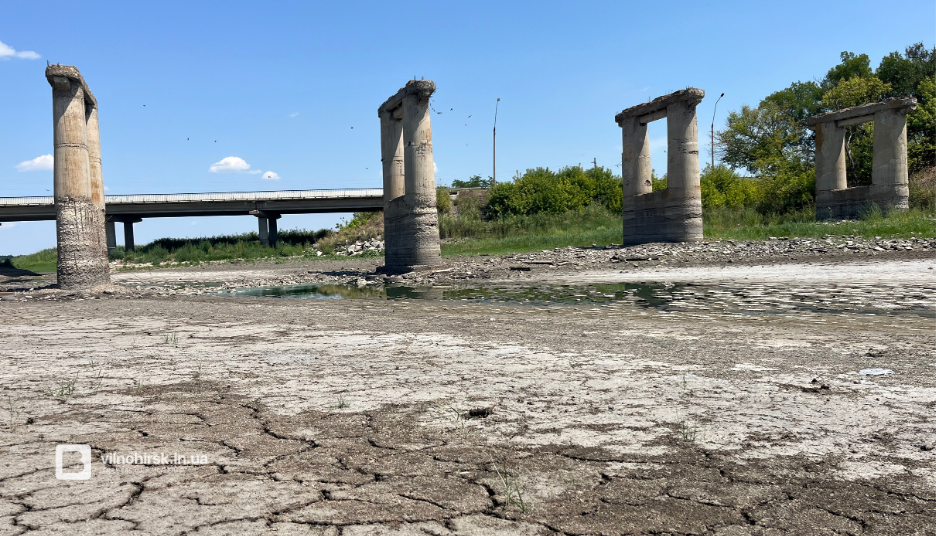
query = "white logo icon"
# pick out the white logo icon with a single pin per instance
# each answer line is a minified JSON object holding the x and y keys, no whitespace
{"x":84,"y":450}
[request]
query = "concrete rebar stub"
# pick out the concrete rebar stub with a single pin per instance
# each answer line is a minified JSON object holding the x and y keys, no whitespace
{"x":80,"y":220}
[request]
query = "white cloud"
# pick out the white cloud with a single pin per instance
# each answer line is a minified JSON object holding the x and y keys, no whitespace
{"x":294,"y":114}
{"x":270,"y":175}
{"x":8,"y":225}
{"x":232,"y":164}
{"x":435,"y":167}
{"x":7,"y":52}
{"x":40,"y":163}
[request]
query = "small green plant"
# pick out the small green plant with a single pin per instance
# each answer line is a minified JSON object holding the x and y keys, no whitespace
{"x":343,"y":402}
{"x":138,"y":386}
{"x":171,"y":338}
{"x":13,"y":412}
{"x":513,"y":491}
{"x":686,"y":432}
{"x":97,"y":377}
{"x":458,"y":417}
{"x":64,"y":389}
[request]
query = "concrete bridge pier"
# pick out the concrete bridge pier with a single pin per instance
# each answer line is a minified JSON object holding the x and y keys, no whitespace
{"x":111,"y":234}
{"x":266,"y":227}
{"x":411,"y":226}
{"x":675,"y":213}
{"x":80,"y":218}
{"x":889,"y":174}
{"x":129,"y":244}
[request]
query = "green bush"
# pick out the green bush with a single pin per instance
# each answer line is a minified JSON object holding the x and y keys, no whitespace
{"x":543,"y":191}
{"x":443,"y":200}
{"x":722,"y":187}
{"x":923,"y":190}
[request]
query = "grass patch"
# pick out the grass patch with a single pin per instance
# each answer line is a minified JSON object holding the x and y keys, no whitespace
{"x":748,"y":224}
{"x":40,"y":261}
{"x":522,"y":234}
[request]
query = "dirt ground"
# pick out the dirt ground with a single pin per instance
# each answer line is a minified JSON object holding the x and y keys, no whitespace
{"x":737,"y":410}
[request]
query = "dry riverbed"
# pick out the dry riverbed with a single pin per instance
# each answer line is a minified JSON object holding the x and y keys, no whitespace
{"x":735,"y":406}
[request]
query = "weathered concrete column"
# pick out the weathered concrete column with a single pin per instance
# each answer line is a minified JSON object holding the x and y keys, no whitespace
{"x":830,"y":157}
{"x":80,"y":223}
{"x":396,"y":217}
{"x":128,"y":235}
{"x":673,"y":214}
{"x":411,"y":223}
{"x":636,"y":172}
{"x":889,"y":171}
{"x":263,"y":231}
{"x":419,"y":171}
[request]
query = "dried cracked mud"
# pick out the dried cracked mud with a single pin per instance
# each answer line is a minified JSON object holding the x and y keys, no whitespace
{"x":472,"y":417}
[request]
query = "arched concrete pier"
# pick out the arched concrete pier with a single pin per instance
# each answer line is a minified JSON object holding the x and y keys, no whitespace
{"x":673,"y":214}
{"x":889,"y":174}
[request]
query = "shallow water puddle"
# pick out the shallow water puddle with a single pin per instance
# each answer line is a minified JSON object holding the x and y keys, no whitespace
{"x":752,"y":299}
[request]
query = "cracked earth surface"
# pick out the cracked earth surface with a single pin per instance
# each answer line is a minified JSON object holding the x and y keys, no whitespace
{"x":432,"y":417}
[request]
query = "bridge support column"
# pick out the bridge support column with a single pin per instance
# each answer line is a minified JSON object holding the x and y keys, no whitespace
{"x":79,"y":214}
{"x":271,"y":222}
{"x":263,"y":231}
{"x":128,"y":234}
{"x":411,"y":222}
{"x":111,"y":234}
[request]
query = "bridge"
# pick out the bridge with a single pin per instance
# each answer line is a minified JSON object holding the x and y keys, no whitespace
{"x":266,"y":206}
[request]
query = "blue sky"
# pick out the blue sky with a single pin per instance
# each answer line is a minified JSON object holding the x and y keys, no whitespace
{"x":279,"y":85}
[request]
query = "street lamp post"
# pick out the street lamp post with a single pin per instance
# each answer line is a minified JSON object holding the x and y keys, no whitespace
{"x":713,"y":131}
{"x":494,"y":178}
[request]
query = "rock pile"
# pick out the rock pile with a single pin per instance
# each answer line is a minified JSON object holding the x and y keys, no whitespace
{"x":357,"y":248}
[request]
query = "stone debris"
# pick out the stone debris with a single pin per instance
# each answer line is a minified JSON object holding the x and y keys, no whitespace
{"x":482,"y":269}
{"x":359,"y":247}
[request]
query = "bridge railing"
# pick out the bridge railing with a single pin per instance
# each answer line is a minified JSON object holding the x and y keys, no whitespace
{"x":209,"y":196}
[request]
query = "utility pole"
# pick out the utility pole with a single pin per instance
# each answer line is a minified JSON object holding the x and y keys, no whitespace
{"x":595,"y":162}
{"x":494,"y":178}
{"x":713,"y":131}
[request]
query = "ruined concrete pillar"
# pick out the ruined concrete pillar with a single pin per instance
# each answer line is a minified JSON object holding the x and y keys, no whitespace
{"x":80,"y":222}
{"x":830,"y":157}
{"x":411,"y":230}
{"x":673,"y":214}
{"x":94,"y":156}
{"x":391,"y":156}
{"x":636,"y":173}
{"x":889,"y":170}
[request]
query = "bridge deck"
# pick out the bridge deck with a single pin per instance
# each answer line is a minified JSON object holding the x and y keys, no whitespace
{"x":206,"y":204}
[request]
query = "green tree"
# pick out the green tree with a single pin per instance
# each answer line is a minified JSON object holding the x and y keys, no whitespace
{"x":852,"y":66}
{"x":904,"y":72}
{"x":912,"y":74}
{"x":475,"y":181}
{"x":758,"y":138}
